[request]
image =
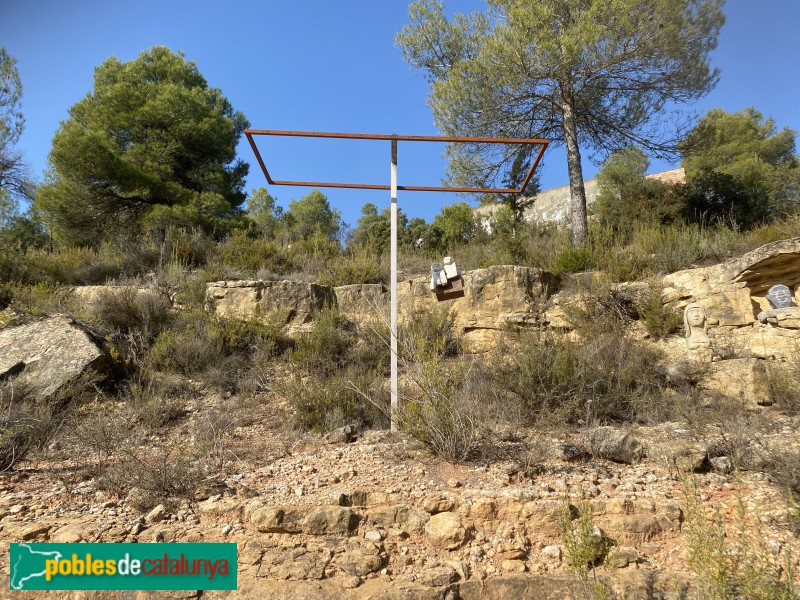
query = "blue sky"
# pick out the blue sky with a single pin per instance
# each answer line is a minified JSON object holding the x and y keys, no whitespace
{"x":332,"y":66}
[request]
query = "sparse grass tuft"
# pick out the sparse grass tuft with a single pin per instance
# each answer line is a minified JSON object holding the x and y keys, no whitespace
{"x":733,"y":560}
{"x":585,"y":546}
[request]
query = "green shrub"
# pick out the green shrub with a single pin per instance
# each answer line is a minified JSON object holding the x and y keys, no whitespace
{"x":199,"y":341}
{"x":571,"y":260}
{"x":36,"y":299}
{"x":325,"y":348}
{"x":733,"y":560}
{"x":359,"y":264}
{"x":557,"y":381}
{"x":659,"y":320}
{"x":322,"y":403}
{"x":424,"y":335}
{"x":248,"y":255}
{"x":585,"y":546}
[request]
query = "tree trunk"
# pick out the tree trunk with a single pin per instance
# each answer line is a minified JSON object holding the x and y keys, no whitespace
{"x":577,"y":192}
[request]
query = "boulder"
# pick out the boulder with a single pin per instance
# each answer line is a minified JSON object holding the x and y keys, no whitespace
{"x":613,"y":444}
{"x":323,"y":520}
{"x":49,"y":355}
{"x":90,"y":295}
{"x":274,"y":519}
{"x":289,"y":304}
{"x":437,"y":576}
{"x":444,"y":530}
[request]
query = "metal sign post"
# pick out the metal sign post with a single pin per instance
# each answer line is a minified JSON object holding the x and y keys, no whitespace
{"x":393,"y":189}
{"x":393,"y":291}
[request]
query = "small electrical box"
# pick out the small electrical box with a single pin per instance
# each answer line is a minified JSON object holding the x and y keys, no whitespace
{"x":446,"y":281}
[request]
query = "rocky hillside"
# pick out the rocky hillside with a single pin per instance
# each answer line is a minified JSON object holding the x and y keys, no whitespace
{"x":642,"y":486}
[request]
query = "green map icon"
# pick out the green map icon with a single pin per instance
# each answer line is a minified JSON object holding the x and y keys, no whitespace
{"x":27,"y":564}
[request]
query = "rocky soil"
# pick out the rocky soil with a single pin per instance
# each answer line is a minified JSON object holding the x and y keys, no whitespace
{"x":366,"y":514}
{"x":380,"y":517}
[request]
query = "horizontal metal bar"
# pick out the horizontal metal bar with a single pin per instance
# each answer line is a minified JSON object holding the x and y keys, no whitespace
{"x":406,"y":188}
{"x":409,"y":138}
{"x":402,"y":138}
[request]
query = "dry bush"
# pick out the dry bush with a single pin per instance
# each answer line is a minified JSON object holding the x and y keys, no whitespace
{"x":162,"y":475}
{"x":127,"y":309}
{"x":29,"y":423}
{"x":440,"y":404}
{"x":217,"y":348}
{"x":557,"y":381}
{"x":321,"y":403}
{"x":733,"y":560}
{"x":359,"y":264}
{"x":784,"y":384}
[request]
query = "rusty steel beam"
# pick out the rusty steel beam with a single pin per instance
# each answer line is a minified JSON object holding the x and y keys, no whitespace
{"x":394,"y":139}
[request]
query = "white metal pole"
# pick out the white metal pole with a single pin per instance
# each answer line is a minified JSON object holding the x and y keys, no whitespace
{"x":393,"y":289}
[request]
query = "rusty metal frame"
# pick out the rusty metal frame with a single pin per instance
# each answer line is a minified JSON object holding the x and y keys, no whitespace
{"x":395,"y":138}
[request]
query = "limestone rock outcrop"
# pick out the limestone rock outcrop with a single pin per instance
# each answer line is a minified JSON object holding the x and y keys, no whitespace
{"x":734,"y":295}
{"x":286,"y":303}
{"x":734,"y":292}
{"x":363,"y":303}
{"x":494,"y":298}
{"x":48,"y":355}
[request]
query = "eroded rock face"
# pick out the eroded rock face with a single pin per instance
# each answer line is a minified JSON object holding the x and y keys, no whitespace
{"x":494,"y":298}
{"x":363,"y":303}
{"x":734,"y":292}
{"x":286,"y":303}
{"x":48,"y":355}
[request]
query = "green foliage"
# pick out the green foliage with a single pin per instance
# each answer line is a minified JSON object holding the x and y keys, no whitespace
{"x":339,"y":377}
{"x":733,"y":562}
{"x":427,"y":335}
{"x":152,"y":144}
{"x":359,"y":264}
{"x":326,"y":347}
{"x":627,"y":197}
{"x":440,"y":404}
{"x":659,"y":319}
{"x":596,"y":74}
{"x":452,"y":227}
{"x":262,"y":209}
{"x":760,"y":162}
{"x":716,"y":198}
{"x":14,"y":181}
{"x":784,"y":385}
{"x":249,"y":255}
{"x":35,"y":299}
{"x":198,"y":343}
{"x":11,"y":120}
{"x":572,"y":260}
{"x":323,"y":403}
{"x":599,"y":379}
{"x":585,"y":546}
{"x":312,"y":215}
